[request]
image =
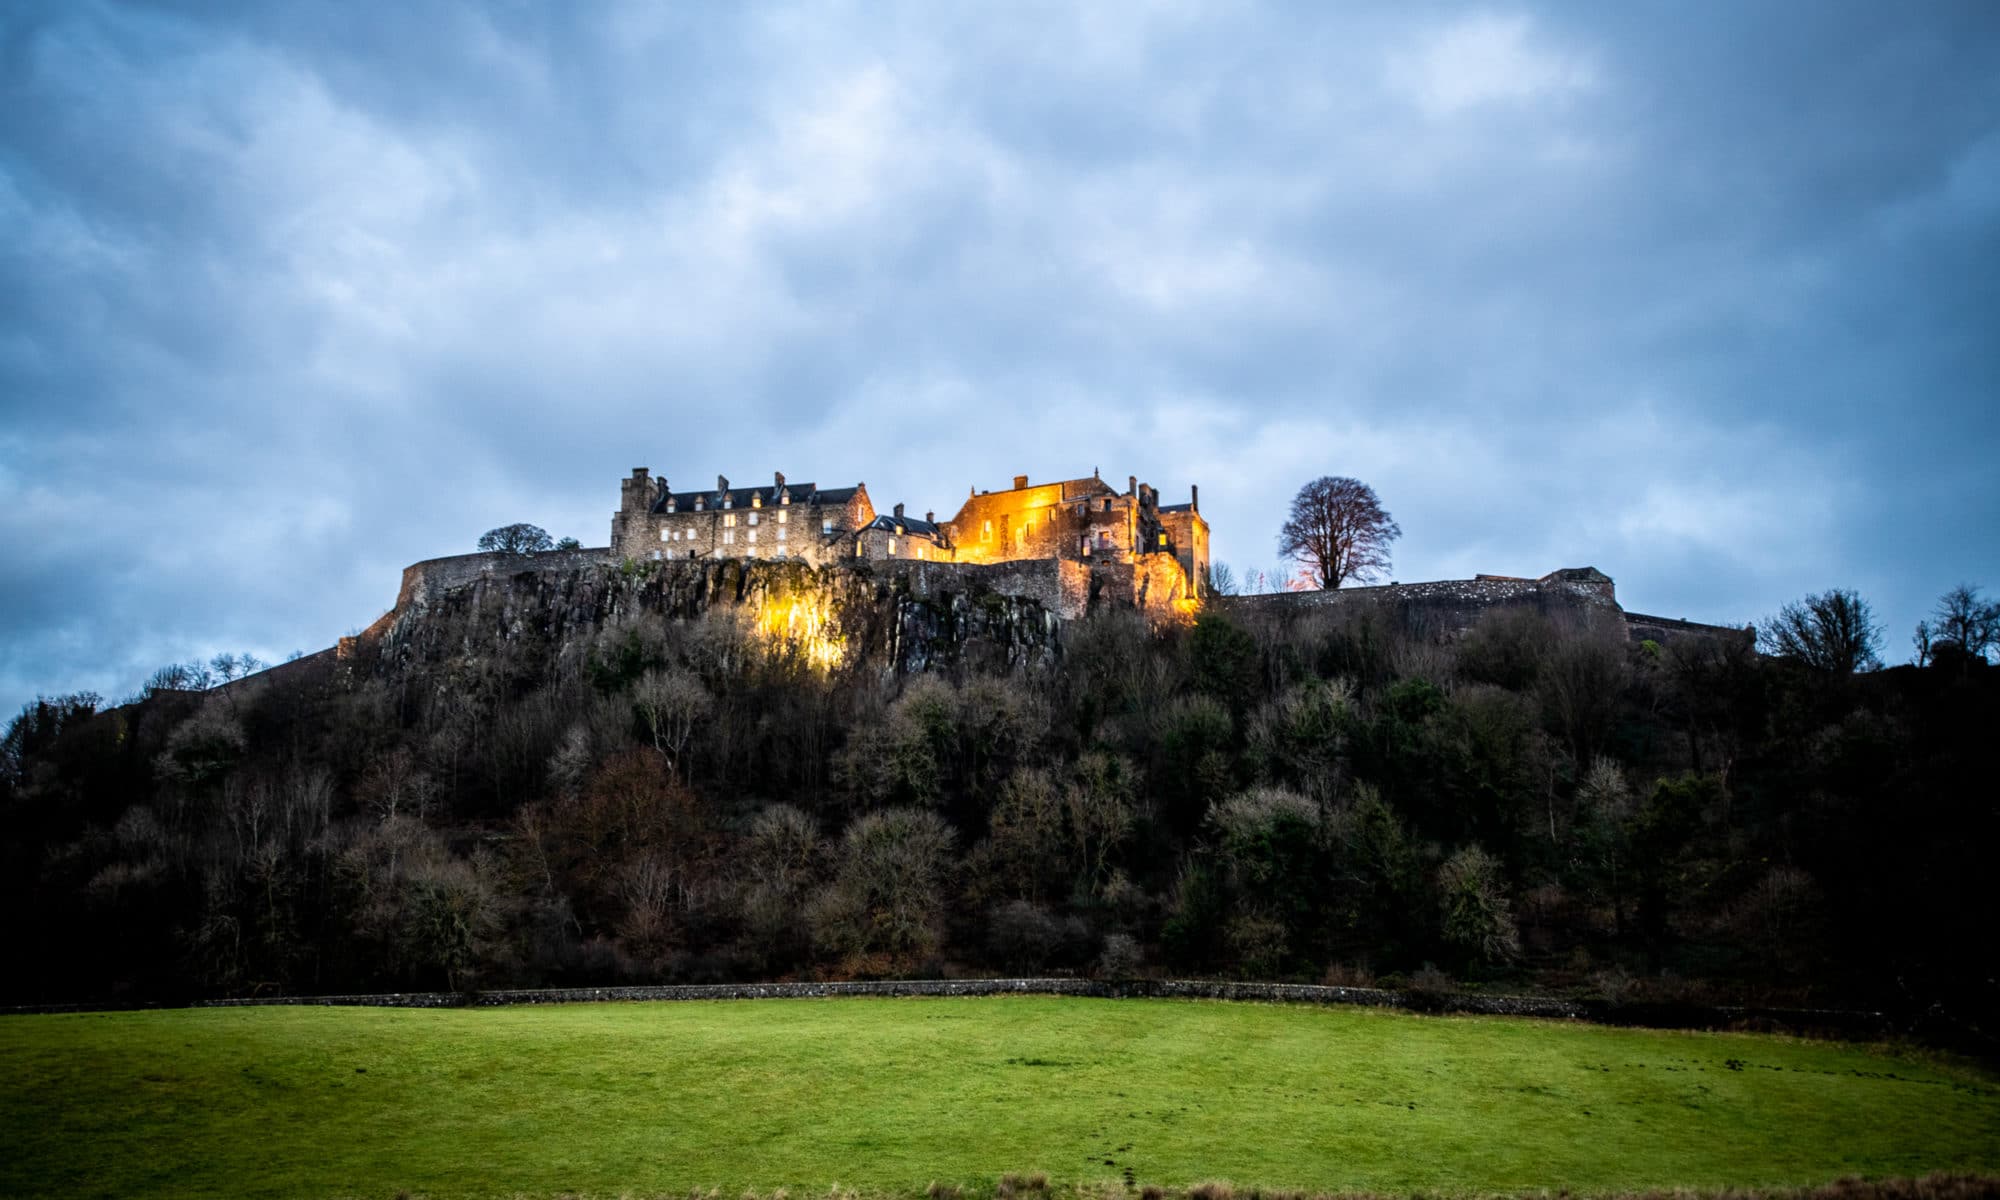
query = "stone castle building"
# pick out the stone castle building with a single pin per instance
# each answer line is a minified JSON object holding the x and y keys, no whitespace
{"x":1084,"y":521}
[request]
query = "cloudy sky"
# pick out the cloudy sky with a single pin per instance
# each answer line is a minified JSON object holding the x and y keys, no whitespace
{"x":295,"y":294}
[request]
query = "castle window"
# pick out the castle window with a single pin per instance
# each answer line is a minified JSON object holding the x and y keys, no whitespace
{"x":1163,"y":539}
{"x":986,"y":531}
{"x":751,"y":552}
{"x":729,"y":537}
{"x":892,"y":547}
{"x":756,"y":500}
{"x":1107,"y":505}
{"x":656,"y":556}
{"x":920,"y":552}
{"x":753,"y":518}
{"x":781,"y":533}
{"x":781,"y":517}
{"x":753,"y":537}
{"x":728,"y":501}
{"x":670,"y":504}
{"x":729,"y":522}
{"x":785,"y":497}
{"x":668,"y":535}
{"x":698,"y":503}
{"x":857,"y":547}
{"x":826,"y":526}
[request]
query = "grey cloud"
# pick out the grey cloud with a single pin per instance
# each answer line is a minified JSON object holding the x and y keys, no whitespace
{"x":295,"y":293}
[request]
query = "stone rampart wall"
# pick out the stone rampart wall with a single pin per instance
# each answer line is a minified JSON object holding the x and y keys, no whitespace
{"x":1673,"y":629}
{"x":1447,"y":606}
{"x":425,"y":581}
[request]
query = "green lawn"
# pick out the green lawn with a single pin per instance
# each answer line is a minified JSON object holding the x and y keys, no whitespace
{"x":887,"y":1095}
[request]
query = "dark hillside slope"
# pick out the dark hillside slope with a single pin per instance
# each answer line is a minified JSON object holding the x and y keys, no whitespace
{"x":602,"y":774}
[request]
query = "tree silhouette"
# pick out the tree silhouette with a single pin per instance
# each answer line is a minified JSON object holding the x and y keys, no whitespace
{"x":1338,"y":530}
{"x":1834,"y":632}
{"x":519,"y":538}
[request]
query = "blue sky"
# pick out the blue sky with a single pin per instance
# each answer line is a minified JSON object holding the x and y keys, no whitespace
{"x":294,"y":294}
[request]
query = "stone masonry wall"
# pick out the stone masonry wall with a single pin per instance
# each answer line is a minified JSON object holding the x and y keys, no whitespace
{"x":425,"y":581}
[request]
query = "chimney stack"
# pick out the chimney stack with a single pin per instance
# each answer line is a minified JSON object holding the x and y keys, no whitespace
{"x":899,"y":510}
{"x":1020,"y":481}
{"x":1194,"y":491}
{"x":778,"y":480}
{"x":1132,"y":485}
{"x":930,"y":518}
{"x":722,"y":483}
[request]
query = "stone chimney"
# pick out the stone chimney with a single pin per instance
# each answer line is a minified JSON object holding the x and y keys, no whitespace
{"x":778,"y":480}
{"x":899,"y":510}
{"x":1132,"y":485}
{"x":1020,"y":481}
{"x":930,"y":518}
{"x":722,"y":483}
{"x":1194,"y":493}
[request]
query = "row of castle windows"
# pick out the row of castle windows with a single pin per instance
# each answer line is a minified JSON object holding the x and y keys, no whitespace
{"x":781,"y":554}
{"x":729,"y":529}
{"x":756,"y":501}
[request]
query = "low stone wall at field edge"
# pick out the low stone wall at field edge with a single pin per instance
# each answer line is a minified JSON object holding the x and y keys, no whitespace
{"x":1847,"y":1023}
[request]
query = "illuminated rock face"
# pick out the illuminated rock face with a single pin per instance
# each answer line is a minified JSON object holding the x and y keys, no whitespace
{"x":900,"y":617}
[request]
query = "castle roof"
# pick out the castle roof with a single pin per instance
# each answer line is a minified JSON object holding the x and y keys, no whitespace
{"x":740,"y":497}
{"x":911,"y":525}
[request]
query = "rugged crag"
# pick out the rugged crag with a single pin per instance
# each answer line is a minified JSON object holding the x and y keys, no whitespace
{"x":896,"y":618}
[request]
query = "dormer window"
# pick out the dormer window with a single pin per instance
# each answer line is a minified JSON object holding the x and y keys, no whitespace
{"x":698,"y":503}
{"x":670,"y":504}
{"x":785,"y":497}
{"x":728,"y":501}
{"x":756,"y":500}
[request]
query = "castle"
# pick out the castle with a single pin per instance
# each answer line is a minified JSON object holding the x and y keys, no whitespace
{"x":1082,"y":521}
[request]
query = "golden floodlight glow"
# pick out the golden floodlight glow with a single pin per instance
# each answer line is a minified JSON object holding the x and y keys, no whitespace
{"x":801,"y":626}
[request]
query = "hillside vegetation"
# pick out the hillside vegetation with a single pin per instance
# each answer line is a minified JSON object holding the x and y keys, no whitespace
{"x":886,"y":1096}
{"x":544,"y":798}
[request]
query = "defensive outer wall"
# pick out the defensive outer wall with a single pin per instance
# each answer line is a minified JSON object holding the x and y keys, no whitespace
{"x":1451,"y":606}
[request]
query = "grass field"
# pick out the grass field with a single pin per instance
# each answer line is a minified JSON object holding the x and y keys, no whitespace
{"x":888,"y":1095}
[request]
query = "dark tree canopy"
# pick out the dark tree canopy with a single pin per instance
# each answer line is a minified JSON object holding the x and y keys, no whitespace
{"x":1834,"y":631}
{"x":1338,"y":530}
{"x":1966,"y":619}
{"x":569,"y":543}
{"x":519,"y":538}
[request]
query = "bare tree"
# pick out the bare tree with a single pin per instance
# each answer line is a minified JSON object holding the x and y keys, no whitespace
{"x":1338,"y":531}
{"x":671,"y":702}
{"x":1834,"y":631}
{"x":1966,"y":619}
{"x":518,"y":538}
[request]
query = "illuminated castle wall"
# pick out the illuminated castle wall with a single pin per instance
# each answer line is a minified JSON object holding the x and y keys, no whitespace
{"x":1085,"y":521}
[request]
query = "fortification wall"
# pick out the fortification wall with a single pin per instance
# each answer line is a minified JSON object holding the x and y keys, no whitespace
{"x":1446,"y":606}
{"x":425,"y":581}
{"x":1664,"y":630}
